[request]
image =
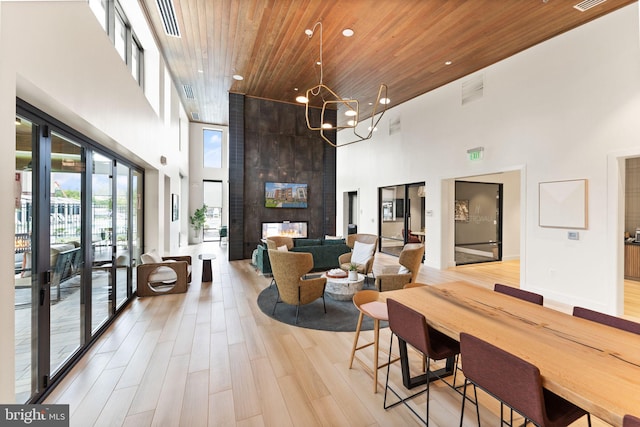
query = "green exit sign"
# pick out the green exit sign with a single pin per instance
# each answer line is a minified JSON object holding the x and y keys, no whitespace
{"x":476,"y":154}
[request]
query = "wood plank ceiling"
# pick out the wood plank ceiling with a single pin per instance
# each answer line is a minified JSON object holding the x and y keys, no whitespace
{"x":403,"y":43}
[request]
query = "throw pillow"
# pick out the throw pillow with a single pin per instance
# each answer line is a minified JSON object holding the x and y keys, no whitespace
{"x":283,"y":248}
{"x":362,"y":252}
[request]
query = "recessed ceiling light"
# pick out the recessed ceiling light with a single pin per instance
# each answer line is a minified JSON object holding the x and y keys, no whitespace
{"x":327,"y":126}
{"x":238,"y":77}
{"x":302,"y":99}
{"x":347,"y":32}
{"x":351,"y":123}
{"x":350,"y":113}
{"x":384,"y":101}
{"x":448,"y":63}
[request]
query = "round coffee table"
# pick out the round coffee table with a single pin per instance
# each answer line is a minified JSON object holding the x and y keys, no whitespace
{"x":343,"y":289}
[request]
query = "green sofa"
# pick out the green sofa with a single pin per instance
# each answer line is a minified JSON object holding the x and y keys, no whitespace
{"x":325,"y":253}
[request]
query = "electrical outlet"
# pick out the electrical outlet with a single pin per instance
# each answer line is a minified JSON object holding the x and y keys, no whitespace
{"x":573,"y":235}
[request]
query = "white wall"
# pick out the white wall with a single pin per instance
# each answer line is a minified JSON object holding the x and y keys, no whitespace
{"x":556,"y":111}
{"x":56,"y":56}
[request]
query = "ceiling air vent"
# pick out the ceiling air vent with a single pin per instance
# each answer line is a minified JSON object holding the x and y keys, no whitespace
{"x":168,"y":15}
{"x":472,"y":89}
{"x":588,"y":4}
{"x":188,"y":91}
{"x":195,"y":116}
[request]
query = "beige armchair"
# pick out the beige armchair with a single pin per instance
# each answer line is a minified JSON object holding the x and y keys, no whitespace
{"x":279,"y":241}
{"x":396,"y":277}
{"x":345,"y":259}
{"x":288,"y":271}
{"x":158,"y":275}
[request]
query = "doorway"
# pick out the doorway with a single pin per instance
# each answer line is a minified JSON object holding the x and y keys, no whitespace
{"x":478,"y":222}
{"x":351,"y":212}
{"x":401,"y":216}
{"x":212,"y":197}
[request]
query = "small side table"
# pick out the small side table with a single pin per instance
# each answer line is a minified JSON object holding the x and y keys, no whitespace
{"x":343,"y":289}
{"x":207,"y":276}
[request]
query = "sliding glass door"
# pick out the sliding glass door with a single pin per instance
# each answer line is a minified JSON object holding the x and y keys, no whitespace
{"x":27,"y":285}
{"x":78,"y":234}
{"x":65,"y":249}
{"x":101,"y":240}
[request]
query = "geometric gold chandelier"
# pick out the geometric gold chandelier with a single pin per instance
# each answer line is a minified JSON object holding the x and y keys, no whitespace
{"x":331,"y":100}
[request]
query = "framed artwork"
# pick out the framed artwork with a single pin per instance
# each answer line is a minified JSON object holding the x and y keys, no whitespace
{"x":563,"y":204}
{"x":285,"y":195}
{"x":461,"y":213}
{"x":175,"y":207}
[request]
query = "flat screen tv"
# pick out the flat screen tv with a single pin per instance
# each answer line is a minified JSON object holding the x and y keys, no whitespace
{"x":285,"y":195}
{"x":294,"y":230}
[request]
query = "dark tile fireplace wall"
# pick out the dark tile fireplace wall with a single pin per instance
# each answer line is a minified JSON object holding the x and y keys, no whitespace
{"x":269,"y":142}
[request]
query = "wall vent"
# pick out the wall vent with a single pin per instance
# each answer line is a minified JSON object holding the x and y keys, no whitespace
{"x":168,"y":15}
{"x":394,"y":125}
{"x":188,"y":91}
{"x":588,"y":4}
{"x":195,"y":116}
{"x":472,"y":89}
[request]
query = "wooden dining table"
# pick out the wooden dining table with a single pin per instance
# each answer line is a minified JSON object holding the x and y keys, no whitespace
{"x":595,"y":366}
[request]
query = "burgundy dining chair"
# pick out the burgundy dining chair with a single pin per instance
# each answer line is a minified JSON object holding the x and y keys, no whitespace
{"x":410,"y":327}
{"x":630,"y":421}
{"x":606,"y":319}
{"x":519,"y":293}
{"x":514,"y":382}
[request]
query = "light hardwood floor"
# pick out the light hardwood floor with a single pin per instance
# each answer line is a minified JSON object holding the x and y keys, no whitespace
{"x":211,"y":357}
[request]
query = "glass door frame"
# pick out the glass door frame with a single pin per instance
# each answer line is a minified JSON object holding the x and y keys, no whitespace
{"x":394,"y":210}
{"x":42,"y":382}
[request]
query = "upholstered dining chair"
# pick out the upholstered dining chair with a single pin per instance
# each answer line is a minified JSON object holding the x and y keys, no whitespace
{"x":289,"y":269}
{"x":363,"y":252}
{"x":411,"y":327}
{"x":395,"y":277}
{"x":519,"y":293}
{"x":368,"y":304}
{"x":514,"y":382}
{"x":630,"y":421}
{"x":606,"y":319}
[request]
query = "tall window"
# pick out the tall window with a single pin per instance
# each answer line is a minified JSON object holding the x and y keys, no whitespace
{"x":114,"y":21}
{"x":99,"y":8}
{"x":136,"y":60}
{"x":212,"y":148}
{"x":120,"y":34}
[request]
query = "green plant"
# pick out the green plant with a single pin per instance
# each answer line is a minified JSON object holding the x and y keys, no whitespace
{"x":353,"y":267}
{"x":199,"y":218}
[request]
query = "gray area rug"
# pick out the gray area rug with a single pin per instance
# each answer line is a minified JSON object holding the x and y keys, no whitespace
{"x":341,"y":316}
